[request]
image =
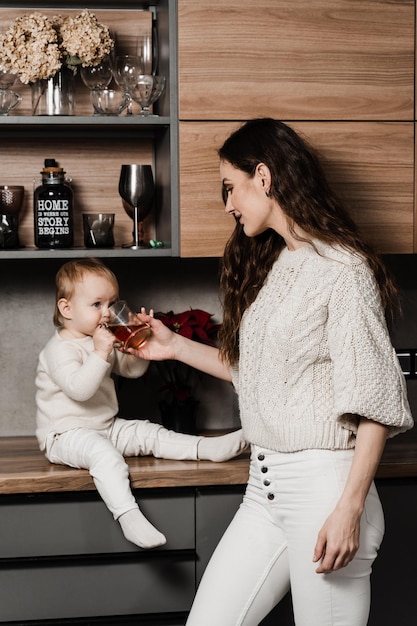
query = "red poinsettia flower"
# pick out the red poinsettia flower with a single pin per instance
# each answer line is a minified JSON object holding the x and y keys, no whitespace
{"x":193,"y":324}
{"x":179,"y":379}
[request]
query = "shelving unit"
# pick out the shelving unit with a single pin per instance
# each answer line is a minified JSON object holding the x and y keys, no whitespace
{"x":92,"y":148}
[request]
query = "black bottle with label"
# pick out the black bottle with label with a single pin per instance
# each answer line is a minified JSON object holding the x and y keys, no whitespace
{"x":53,"y":209}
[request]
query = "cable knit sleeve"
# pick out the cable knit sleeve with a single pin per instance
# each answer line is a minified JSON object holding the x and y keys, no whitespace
{"x":368,"y":380}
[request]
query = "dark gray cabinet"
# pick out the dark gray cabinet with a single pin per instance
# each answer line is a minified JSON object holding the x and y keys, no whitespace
{"x":63,"y":556}
{"x":64,"y":559}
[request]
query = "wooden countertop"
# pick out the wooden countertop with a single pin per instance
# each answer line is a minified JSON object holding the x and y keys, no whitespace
{"x":24,"y":469}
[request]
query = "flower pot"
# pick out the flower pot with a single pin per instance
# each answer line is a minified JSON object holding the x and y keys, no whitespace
{"x":180,"y":417}
{"x":55,"y":95}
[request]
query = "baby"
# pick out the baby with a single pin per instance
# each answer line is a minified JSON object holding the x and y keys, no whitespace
{"x":77,"y":404}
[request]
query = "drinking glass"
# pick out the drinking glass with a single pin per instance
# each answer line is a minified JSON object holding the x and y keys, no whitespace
{"x":145,"y":51}
{"x":146,"y":90}
{"x":9,"y":100}
{"x":127,"y":328}
{"x":136,"y":187}
{"x":126,"y":70}
{"x":9,"y":235}
{"x":11,"y":199}
{"x":98,"y":230}
{"x":109,"y":101}
{"x":7,"y":79}
{"x":97,"y":76}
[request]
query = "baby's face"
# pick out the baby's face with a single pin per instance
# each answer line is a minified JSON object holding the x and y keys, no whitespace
{"x":89,"y":304}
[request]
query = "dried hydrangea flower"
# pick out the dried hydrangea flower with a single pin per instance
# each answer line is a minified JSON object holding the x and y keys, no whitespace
{"x":29,"y":48}
{"x":84,"y":37}
{"x":35,"y":47}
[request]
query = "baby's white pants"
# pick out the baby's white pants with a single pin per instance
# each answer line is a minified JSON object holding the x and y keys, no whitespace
{"x":268,"y":547}
{"x":102,"y":452}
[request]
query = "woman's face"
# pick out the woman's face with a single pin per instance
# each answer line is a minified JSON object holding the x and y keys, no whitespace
{"x":247,"y":200}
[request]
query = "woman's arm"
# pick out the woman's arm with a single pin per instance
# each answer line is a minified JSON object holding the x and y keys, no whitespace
{"x":165,"y":344}
{"x":338,"y":539}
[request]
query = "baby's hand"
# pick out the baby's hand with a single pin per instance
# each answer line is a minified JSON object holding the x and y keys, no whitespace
{"x":103,"y":341}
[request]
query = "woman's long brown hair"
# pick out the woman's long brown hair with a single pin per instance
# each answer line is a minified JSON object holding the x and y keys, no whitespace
{"x":300,"y":187}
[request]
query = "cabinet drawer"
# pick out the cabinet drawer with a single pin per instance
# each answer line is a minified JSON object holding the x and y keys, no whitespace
{"x":96,"y":590}
{"x":37,"y":526}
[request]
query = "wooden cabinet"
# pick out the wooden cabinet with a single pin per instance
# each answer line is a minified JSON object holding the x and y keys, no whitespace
{"x":340,"y":73}
{"x":370,"y":164}
{"x":290,"y":59}
{"x":205,"y":227}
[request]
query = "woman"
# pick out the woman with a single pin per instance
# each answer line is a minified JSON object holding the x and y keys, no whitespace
{"x":305,"y":343}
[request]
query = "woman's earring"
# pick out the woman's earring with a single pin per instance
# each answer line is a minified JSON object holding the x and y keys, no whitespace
{"x":268,"y":194}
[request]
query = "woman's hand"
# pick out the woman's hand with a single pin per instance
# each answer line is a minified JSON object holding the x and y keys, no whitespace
{"x":166,"y":344}
{"x":160,"y":345}
{"x":338,"y":540}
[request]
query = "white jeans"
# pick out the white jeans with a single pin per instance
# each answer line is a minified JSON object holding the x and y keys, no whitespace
{"x":268,"y":547}
{"x":102,"y":452}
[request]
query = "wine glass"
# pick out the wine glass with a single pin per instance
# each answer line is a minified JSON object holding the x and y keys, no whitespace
{"x":146,"y":90}
{"x":97,"y":77}
{"x":136,"y":187}
{"x":126,"y":70}
{"x":145,"y":51}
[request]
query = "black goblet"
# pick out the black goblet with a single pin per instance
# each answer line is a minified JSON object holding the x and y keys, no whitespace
{"x":136,"y":187}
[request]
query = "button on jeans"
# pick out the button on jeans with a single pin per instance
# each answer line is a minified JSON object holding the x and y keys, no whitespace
{"x":268,"y":547}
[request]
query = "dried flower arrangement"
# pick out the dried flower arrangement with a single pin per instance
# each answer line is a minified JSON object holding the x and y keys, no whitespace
{"x":35,"y":46}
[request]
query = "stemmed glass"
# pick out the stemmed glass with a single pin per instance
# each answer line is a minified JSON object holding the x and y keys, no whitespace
{"x":97,"y":77}
{"x":145,"y":51}
{"x":136,"y":187}
{"x":146,"y":90}
{"x":126,"y":71}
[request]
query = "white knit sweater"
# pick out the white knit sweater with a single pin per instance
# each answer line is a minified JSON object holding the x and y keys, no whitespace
{"x":74,"y":387}
{"x":315,"y":353}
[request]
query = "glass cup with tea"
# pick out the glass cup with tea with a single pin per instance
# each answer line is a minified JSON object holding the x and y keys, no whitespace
{"x":127,"y":327}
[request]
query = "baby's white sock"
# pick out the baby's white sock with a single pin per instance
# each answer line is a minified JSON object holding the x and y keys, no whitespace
{"x":221,"y":448}
{"x":139,"y":531}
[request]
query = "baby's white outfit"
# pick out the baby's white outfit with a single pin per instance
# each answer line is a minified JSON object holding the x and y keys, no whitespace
{"x":76,"y":424}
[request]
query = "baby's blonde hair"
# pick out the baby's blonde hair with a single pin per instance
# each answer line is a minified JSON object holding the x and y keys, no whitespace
{"x":72,"y":273}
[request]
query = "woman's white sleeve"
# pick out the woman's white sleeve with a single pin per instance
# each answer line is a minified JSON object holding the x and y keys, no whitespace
{"x":367,"y":376}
